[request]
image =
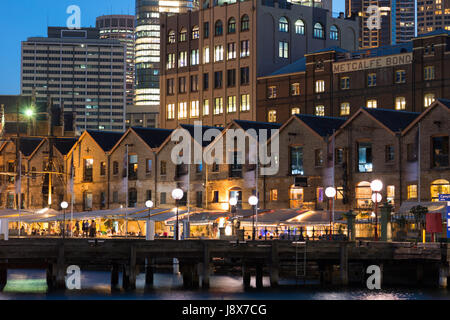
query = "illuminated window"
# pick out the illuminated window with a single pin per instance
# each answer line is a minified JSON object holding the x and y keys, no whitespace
{"x":182,"y":110}
{"x":295,"y":89}
{"x":245,"y":48}
{"x":272,"y":92}
{"x":400,"y":103}
{"x":320,"y":86}
{"x":218,"y":106}
{"x":440,"y":186}
{"x":371,"y":104}
{"x":170,"y":61}
{"x":195,"y":110}
{"x":205,"y":107}
{"x":428,"y":99}
{"x":320,"y":111}
{"x":390,"y":194}
{"x":272,"y":116}
{"x":245,"y":102}
{"x":318,"y":31}
{"x":334,"y":33}
{"x":183,"y":34}
{"x":195,"y":32}
{"x":231,"y":107}
{"x":206,"y":55}
{"x":299,"y":27}
{"x":182,"y":59}
{"x":218,"y":53}
{"x":365,"y":157}
{"x":283,"y":47}
{"x":171,"y":111}
{"x":172,"y":37}
{"x":295,"y":111}
{"x":231,"y":52}
{"x":194,"y":57}
{"x":412,"y":191}
{"x":274,"y":195}
{"x":345,"y":108}
{"x":283,"y":25}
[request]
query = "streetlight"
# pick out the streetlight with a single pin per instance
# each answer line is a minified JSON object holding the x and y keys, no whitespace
{"x":177,"y":194}
{"x":233,"y":201}
{"x":330,"y":192}
{"x":376,"y":186}
{"x":149,"y":205}
{"x":64,"y":206}
{"x":253,"y":201}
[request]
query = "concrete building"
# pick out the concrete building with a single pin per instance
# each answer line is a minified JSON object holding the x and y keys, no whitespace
{"x":211,"y":58}
{"x":121,"y":27}
{"x":432,"y":15}
{"x":147,"y":57}
{"x":337,"y":83}
{"x":84,"y":76}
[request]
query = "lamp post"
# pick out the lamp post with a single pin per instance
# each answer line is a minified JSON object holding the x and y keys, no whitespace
{"x":64,"y":206}
{"x":233,"y":202}
{"x":330,"y":192}
{"x":253,"y":201}
{"x":376,"y":186}
{"x":149,"y":205}
{"x":177,"y":194}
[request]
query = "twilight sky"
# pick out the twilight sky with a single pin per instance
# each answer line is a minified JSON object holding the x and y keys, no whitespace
{"x":20,"y":19}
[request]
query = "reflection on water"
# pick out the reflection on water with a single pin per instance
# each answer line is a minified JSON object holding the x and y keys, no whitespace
{"x":31,"y":284}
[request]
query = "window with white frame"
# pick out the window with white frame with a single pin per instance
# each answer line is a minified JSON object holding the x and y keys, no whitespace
{"x":182,"y":60}
{"x":283,"y":25}
{"x":272,"y":116}
{"x":170,"y":61}
{"x":272,"y":92}
{"x":205,"y":107}
{"x":170,"y":111}
{"x":195,"y":110}
{"x":206,"y":55}
{"x":320,"y":86}
{"x":231,"y":52}
{"x":231,"y":107}
{"x":283,"y":51}
{"x":428,"y":99}
{"x":299,"y":27}
{"x":245,"y":48}
{"x":218,"y":53}
{"x":371,"y":104}
{"x":194,"y":57}
{"x":295,"y":110}
{"x":245,"y":102}
{"x":182,"y":110}
{"x":218,"y":106}
{"x":400,"y":103}
{"x":345,"y":109}
{"x":320,"y":111}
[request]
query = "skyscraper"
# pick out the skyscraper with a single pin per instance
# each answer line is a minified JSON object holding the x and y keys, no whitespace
{"x":397,"y":23}
{"x":121,"y":27}
{"x":82,"y":74}
{"x":432,"y":15}
{"x":147,"y":53}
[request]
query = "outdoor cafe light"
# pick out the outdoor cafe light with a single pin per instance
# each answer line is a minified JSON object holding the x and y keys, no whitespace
{"x":253,"y":201}
{"x":177,"y":194}
{"x":149,"y":204}
{"x":330,"y":192}
{"x":233,"y":202}
{"x":376,"y":185}
{"x":64,"y":206}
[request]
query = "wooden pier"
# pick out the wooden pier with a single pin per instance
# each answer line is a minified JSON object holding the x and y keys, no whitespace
{"x":331,"y":262}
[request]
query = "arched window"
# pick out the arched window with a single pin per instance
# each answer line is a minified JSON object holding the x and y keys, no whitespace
{"x":218,"y":28}
{"x":440,"y":186}
{"x":245,"y":23}
{"x":283,"y":25}
{"x":232,"y":25}
{"x":318,"y":31}
{"x":299,"y":27}
{"x":334,"y":33}
{"x":172,"y":36}
{"x":195,"y":33}
{"x":183,"y":34}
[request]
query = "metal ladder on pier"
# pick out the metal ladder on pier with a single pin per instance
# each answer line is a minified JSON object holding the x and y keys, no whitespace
{"x":300,"y":262}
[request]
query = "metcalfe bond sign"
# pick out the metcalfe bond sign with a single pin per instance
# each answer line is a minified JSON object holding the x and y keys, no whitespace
{"x":372,"y":63}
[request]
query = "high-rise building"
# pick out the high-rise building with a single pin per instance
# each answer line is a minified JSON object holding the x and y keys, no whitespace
{"x":211,"y":58}
{"x":147,"y":57}
{"x":121,"y":27}
{"x":82,"y":74}
{"x":397,"y":23}
{"x":432,"y":15}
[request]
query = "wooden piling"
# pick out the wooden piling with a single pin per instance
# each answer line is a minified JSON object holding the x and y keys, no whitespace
{"x":125,"y":277}
{"x":343,"y":270}
{"x":246,"y":276}
{"x":114,"y":276}
{"x":443,"y":275}
{"x":274,"y":266}
{"x":133,"y":268}
{"x":3,"y":276}
{"x":259,"y":276}
{"x":206,"y":266}
{"x":149,"y":273}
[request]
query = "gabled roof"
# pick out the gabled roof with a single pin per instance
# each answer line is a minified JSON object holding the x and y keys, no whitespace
{"x":434,"y":33}
{"x":105,"y":139}
{"x":28,"y":145}
{"x":256,"y":125}
{"x":386,"y":50}
{"x":153,"y":137}
{"x":63,"y":145}
{"x":297,"y":66}
{"x":323,"y":126}
{"x":394,"y":120}
{"x":444,"y":103}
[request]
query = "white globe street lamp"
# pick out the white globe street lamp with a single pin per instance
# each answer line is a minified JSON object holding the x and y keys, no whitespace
{"x":330,"y":192}
{"x":64,"y":206}
{"x":376,"y":186}
{"x":233,"y":202}
{"x":149,"y":204}
{"x":253,"y":201}
{"x":177,"y":194}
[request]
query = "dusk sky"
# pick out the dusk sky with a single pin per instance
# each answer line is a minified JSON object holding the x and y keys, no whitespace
{"x":21,"y":19}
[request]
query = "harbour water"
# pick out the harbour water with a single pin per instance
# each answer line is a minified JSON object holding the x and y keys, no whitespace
{"x":31,"y":285}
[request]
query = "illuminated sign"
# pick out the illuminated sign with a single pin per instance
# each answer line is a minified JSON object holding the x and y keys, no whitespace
{"x":446,"y":197}
{"x":372,"y":63}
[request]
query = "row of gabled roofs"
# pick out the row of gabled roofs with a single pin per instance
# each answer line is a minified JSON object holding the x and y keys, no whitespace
{"x":393,"y":120}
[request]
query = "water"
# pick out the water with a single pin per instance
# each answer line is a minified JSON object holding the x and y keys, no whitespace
{"x":31,"y":285}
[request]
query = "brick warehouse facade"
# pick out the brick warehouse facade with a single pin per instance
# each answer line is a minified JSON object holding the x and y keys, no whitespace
{"x":396,"y":147}
{"x":211,"y":58}
{"x":336,"y":82}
